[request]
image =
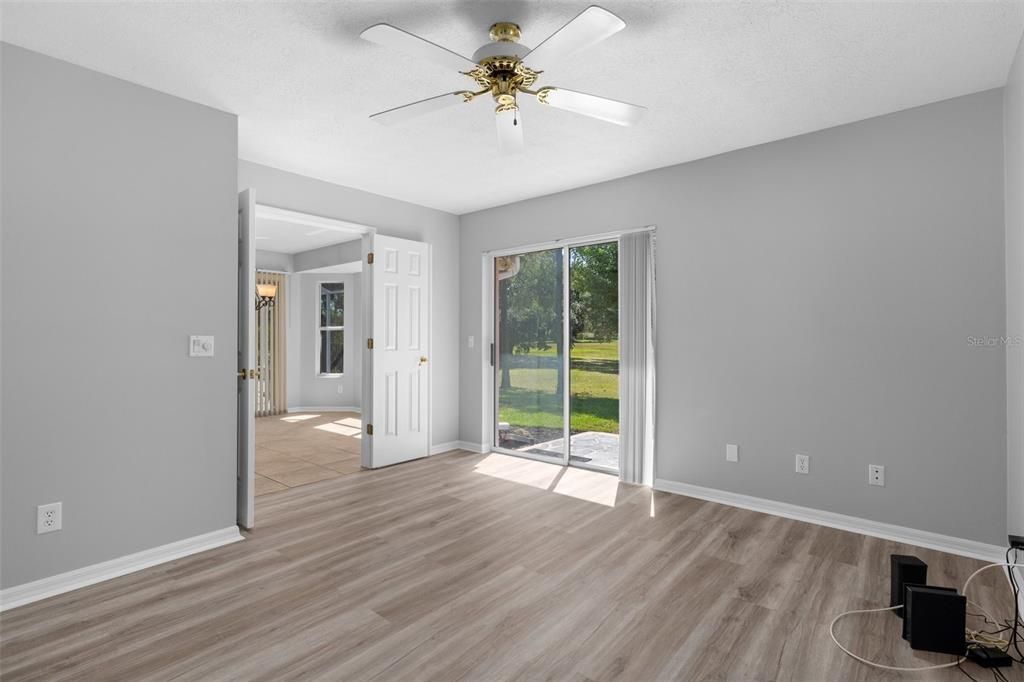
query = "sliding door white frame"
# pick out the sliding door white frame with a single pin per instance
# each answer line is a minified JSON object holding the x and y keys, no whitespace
{"x":562,"y":460}
{"x":489,"y":339}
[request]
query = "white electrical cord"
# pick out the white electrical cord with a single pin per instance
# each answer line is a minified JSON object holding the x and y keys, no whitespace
{"x":958,"y":661}
{"x":832,"y":632}
{"x":985,"y":568}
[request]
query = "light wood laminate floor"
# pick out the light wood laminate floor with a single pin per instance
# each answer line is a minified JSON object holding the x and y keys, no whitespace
{"x":305,"y":447}
{"x":488,"y":567}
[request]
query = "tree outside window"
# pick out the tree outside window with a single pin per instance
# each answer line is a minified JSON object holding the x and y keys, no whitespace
{"x":332,"y":328}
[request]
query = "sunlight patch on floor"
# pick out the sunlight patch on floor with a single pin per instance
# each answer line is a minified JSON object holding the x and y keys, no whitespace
{"x":340,"y":429}
{"x":517,"y":470}
{"x":590,"y":486}
{"x":354,"y":422}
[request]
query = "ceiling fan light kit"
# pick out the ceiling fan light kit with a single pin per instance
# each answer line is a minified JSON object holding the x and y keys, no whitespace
{"x":505,"y":68}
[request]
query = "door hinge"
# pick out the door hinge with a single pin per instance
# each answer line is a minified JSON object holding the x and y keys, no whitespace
{"x":369,"y":429}
{"x":369,"y":344}
{"x":369,"y":258}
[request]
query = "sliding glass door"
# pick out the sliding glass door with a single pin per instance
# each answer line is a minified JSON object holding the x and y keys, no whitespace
{"x":594,"y":356}
{"x":530,"y":362}
{"x":556,"y":356}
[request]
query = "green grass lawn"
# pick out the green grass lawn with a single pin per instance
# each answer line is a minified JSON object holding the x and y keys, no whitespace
{"x":531,"y":401}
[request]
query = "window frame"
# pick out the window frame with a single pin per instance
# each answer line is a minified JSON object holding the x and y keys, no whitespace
{"x":328,"y":328}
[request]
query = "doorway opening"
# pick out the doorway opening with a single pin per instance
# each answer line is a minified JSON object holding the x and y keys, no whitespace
{"x":312,"y":301}
{"x":308,"y":425}
{"x":557,"y":357}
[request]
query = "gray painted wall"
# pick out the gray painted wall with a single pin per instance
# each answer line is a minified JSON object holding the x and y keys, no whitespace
{"x":1013,"y":134}
{"x":305,"y":388}
{"x":120,"y":240}
{"x":271,"y":260}
{"x":311,"y":389}
{"x":815,"y":296}
{"x":326,"y":256}
{"x":278,"y":188}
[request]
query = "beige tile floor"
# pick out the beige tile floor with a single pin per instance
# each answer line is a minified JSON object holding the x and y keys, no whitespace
{"x":300,"y":448}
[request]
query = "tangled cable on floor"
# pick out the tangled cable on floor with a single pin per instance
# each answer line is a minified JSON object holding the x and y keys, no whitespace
{"x":969,"y":633}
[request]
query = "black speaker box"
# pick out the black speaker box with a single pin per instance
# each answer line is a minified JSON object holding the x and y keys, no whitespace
{"x":904,"y":570}
{"x":935,"y":619}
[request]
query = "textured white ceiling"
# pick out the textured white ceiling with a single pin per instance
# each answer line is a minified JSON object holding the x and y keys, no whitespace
{"x":716,"y":77}
{"x":281,"y":236}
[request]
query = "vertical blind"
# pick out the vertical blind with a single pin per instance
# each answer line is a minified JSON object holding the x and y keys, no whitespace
{"x":636,"y":391}
{"x":270,"y":349}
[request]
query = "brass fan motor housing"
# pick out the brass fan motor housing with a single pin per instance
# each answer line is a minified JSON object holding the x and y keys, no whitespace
{"x":503,"y":77}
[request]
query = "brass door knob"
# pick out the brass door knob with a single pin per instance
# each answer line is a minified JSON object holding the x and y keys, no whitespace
{"x":423,"y":359}
{"x":242,"y":373}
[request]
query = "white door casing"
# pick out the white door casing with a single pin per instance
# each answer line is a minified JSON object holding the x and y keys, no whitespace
{"x":246,"y":358}
{"x":396,"y":371}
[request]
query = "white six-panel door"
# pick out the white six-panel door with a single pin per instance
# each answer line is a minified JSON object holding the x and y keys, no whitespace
{"x":396,"y":374}
{"x":246,"y":359}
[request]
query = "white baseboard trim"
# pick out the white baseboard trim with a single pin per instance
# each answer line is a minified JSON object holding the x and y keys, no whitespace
{"x":444,"y":447}
{"x":457,"y":445}
{"x":331,"y":408}
{"x":90,"y":575}
{"x":854,"y":524}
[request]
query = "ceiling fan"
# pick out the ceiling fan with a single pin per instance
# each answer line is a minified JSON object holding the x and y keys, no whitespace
{"x":505,"y":68}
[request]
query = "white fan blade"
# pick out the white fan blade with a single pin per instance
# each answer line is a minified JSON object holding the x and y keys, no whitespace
{"x":610,"y":110}
{"x":414,"y":46}
{"x":510,"y":131}
{"x":590,"y":27}
{"x":424,"y":106}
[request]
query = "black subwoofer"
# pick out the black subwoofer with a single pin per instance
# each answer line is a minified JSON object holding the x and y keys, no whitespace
{"x":935,"y":619}
{"x":904,"y":570}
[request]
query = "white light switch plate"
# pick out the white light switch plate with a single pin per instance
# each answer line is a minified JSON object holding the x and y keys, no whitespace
{"x":732,"y":452}
{"x":200,"y":346}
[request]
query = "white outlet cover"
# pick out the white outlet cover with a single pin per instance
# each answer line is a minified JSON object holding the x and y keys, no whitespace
{"x":876,"y":475}
{"x":732,"y":452}
{"x":471,"y":341}
{"x":803,"y":464}
{"x":48,"y":518}
{"x":200,"y":346}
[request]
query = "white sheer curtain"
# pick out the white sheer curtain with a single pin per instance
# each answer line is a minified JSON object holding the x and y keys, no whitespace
{"x":636,"y":374}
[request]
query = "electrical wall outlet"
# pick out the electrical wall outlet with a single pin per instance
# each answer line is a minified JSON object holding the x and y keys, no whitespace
{"x":48,"y":518}
{"x":732,"y":453}
{"x":803,"y":464}
{"x":876,"y":474}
